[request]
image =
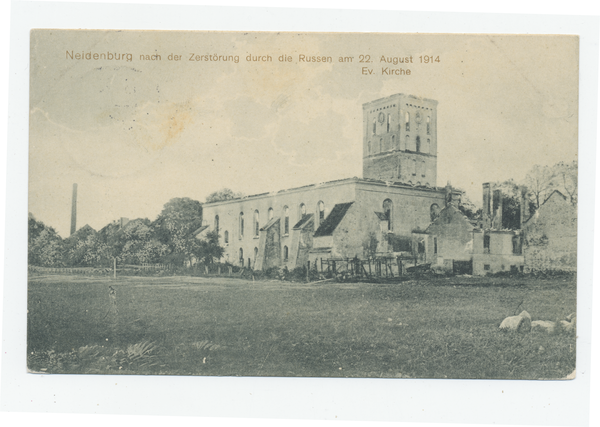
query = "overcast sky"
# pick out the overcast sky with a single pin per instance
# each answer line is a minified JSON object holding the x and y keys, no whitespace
{"x":135,"y":134}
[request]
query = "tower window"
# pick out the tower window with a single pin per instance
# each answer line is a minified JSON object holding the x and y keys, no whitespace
{"x":407,"y":120}
{"x":406,"y":142}
{"x":226,"y":236}
{"x":423,"y":169}
{"x":388,"y":122}
{"x":435,"y":249}
{"x":429,"y":144}
{"x":255,"y":254}
{"x":241,"y":257}
{"x":285,"y":253}
{"x":241,"y":224}
{"x":217,"y":224}
{"x":418,"y":144}
{"x":414,"y":167}
{"x":394,"y":142}
{"x":369,"y":148}
{"x":270,"y":213}
{"x":381,"y":147}
{"x":374,"y":126}
{"x":428,"y":125}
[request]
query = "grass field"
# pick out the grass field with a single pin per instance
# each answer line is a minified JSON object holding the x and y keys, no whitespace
{"x":435,"y":328}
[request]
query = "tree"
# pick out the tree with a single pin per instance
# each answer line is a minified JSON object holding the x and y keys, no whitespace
{"x":223,"y":194}
{"x":175,"y":226}
{"x":208,"y":250}
{"x":178,"y":214}
{"x":468,"y":208}
{"x":565,"y":180}
{"x":45,"y":246}
{"x":540,"y":182}
{"x":81,"y":248}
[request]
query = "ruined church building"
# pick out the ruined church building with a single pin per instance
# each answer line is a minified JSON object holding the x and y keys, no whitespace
{"x":385,"y":213}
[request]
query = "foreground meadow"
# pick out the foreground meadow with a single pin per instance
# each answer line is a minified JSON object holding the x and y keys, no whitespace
{"x":434,"y":328}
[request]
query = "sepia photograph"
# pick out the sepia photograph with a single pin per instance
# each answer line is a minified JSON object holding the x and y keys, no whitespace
{"x":297,"y":204}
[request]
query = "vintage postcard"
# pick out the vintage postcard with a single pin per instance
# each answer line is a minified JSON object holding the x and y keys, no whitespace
{"x":364,"y":205}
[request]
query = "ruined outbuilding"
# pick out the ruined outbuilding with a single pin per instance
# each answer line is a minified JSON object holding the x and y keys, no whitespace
{"x":551,"y":236}
{"x":462,"y":246}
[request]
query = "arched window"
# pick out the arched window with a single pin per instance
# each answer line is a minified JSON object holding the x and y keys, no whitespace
{"x":369,"y":148}
{"x":256,"y":224}
{"x":423,"y":169}
{"x":226,"y":236}
{"x":321,"y":211}
{"x":286,"y":220}
{"x":374,"y":126}
{"x":388,"y":211}
{"x":217,"y":224}
{"x":407,"y":142}
{"x":414,"y":172}
{"x":241,"y":224}
{"x":428,"y":149}
{"x":241,"y":257}
{"x":407,"y":120}
{"x":394,"y":142}
{"x":302,"y":210}
{"x":434,"y":211}
{"x":388,"y":122}
{"x":255,"y":255}
{"x":418,"y":144}
{"x":285,"y":253}
{"x":428,"y":125}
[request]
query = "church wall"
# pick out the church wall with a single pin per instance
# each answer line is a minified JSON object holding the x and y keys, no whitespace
{"x":411,"y":206}
{"x":330,"y":193}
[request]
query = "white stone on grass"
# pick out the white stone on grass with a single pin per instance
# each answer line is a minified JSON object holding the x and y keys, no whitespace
{"x":543,"y":325}
{"x":520,"y":323}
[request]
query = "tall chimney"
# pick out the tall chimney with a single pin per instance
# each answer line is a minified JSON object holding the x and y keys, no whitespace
{"x":74,"y":210}
{"x":522,"y":206}
{"x":486,"y":199}
{"x":498,"y":209}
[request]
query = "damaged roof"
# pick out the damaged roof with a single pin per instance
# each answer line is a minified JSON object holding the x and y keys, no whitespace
{"x":270,"y":223}
{"x":304,"y":221}
{"x":330,"y":223}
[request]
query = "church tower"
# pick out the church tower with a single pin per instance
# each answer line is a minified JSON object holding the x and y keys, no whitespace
{"x":400,"y":140}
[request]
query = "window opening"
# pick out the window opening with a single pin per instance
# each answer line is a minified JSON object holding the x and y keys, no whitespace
{"x":256,"y":224}
{"x":286,"y":221}
{"x":388,"y":212}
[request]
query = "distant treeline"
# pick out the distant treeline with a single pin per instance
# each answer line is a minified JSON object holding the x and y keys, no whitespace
{"x":170,"y":239}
